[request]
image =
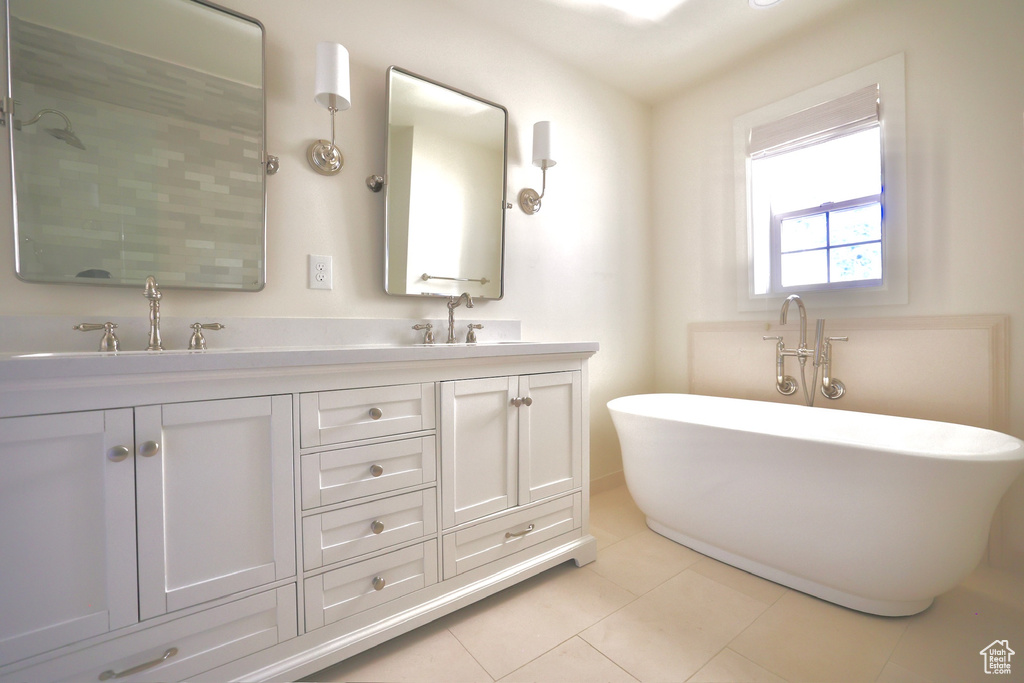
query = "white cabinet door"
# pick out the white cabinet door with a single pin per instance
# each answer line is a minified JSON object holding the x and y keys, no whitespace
{"x":550,"y":435}
{"x":67,"y":537}
{"x":215,"y":499}
{"x":479,"y":441}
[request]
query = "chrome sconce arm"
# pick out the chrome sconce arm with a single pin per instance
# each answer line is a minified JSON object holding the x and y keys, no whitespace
{"x":333,"y":91}
{"x":324,"y":156}
{"x":529,"y":200}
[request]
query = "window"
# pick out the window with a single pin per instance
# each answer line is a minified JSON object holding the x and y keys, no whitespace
{"x":831,"y":246}
{"x":821,"y":207}
{"x":825,"y":212}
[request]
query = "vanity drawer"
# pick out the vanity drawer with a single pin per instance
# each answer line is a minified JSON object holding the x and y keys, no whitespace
{"x":330,"y":417}
{"x":477,"y":545}
{"x":192,"y":644}
{"x":349,"y":590}
{"x":350,"y":473}
{"x":343,"y":534}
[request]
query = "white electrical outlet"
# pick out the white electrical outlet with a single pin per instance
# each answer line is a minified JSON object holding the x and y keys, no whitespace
{"x":320,"y":275}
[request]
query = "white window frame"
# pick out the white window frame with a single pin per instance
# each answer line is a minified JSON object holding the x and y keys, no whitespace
{"x":889,"y":75}
{"x":828,"y":208}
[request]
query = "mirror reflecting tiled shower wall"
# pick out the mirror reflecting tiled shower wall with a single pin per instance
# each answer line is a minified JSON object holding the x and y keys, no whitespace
{"x":162,"y":169}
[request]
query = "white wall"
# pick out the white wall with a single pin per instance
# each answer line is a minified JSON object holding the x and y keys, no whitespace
{"x":577,"y":270}
{"x":965,"y":168}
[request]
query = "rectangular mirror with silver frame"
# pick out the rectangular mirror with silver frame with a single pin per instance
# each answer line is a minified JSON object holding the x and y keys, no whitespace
{"x":445,"y":184}
{"x":136,"y":132}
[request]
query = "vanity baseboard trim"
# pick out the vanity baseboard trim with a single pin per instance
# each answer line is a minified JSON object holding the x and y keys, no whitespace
{"x":325,"y":646}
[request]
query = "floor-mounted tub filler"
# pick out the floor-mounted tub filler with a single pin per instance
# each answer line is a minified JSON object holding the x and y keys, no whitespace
{"x":872,"y":512}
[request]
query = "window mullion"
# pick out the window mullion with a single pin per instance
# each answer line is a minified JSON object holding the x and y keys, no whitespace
{"x":775,"y":250}
{"x":828,"y":246}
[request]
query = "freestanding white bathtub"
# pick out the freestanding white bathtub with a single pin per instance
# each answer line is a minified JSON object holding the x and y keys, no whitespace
{"x":872,"y":512}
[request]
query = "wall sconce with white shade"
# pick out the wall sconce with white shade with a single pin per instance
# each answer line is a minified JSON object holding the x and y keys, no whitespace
{"x":529,"y":200}
{"x":333,"y":91}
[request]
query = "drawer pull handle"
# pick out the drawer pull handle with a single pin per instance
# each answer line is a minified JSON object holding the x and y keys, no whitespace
{"x":118,"y":453}
{"x":376,"y":413}
{"x":377,"y":526}
{"x":379,"y":583}
{"x":110,"y":673}
{"x":376,"y":470}
{"x":519,"y":534}
{"x":149,"y":449}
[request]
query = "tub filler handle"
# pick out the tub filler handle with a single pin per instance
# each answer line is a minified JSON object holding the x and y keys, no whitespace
{"x":784,"y":384}
{"x":831,"y":387}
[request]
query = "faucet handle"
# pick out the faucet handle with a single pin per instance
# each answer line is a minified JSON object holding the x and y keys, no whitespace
{"x":471,"y":335}
{"x":109,"y":342}
{"x":428,"y":335}
{"x":198,"y":341}
{"x":833,"y":339}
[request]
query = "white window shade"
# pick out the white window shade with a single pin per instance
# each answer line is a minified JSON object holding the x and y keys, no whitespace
{"x":841,"y":116}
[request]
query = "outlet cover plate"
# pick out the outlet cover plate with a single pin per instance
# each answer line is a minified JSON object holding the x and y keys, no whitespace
{"x":320,"y":272}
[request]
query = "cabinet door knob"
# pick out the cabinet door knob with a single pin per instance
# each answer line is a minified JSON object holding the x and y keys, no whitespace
{"x":149,"y":449}
{"x":377,"y":526}
{"x":527,"y":401}
{"x":118,"y":453}
{"x":379,"y":583}
{"x":376,"y":470}
{"x":517,"y":401}
{"x":376,"y":413}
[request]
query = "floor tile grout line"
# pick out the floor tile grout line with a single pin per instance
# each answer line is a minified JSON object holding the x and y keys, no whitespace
{"x":768,"y":606}
{"x":543,"y":654}
{"x":728,"y":647}
{"x":654,"y":587}
{"x":472,"y":656}
{"x":578,"y":633}
{"x":896,"y":645}
{"x":617,"y":665}
{"x":584,"y":641}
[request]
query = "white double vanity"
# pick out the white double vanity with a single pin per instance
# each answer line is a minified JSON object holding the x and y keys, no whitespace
{"x":254,"y":514}
{"x":262,"y":514}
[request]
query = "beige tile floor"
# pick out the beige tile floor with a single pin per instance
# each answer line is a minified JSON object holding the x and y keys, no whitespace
{"x":652,"y":610}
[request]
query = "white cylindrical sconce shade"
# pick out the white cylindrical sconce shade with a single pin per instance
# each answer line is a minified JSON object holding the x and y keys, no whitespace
{"x":542,"y":144}
{"x":332,"y":79}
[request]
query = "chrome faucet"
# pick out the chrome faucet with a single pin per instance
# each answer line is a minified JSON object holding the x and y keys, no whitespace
{"x":821,"y":354}
{"x":803,"y":320}
{"x":453,"y":303}
{"x":152,"y":292}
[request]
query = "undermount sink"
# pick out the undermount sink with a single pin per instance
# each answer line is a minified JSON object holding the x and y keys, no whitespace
{"x":442,"y":345}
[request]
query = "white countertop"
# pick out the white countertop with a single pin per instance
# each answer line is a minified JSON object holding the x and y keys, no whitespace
{"x":22,"y":366}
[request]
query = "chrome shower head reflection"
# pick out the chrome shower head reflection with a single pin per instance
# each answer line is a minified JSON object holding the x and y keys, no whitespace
{"x":65,"y":134}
